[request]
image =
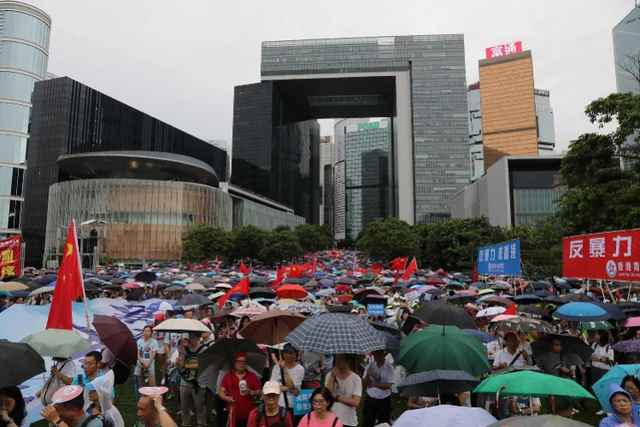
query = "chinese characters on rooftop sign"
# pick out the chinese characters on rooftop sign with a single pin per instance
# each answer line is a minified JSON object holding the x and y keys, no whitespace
{"x":10,"y":257}
{"x":614,"y":255}
{"x":503,"y":50}
{"x":501,"y":259}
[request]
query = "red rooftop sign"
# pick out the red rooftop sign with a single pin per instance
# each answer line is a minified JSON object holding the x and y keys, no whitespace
{"x":503,"y":49}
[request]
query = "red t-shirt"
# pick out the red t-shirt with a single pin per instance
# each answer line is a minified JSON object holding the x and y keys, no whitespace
{"x":243,"y":404}
{"x":268,"y":421}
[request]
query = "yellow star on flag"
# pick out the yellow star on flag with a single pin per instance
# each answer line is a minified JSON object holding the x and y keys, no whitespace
{"x":69,"y":250}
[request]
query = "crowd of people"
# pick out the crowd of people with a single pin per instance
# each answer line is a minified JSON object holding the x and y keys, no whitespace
{"x":517,"y":324}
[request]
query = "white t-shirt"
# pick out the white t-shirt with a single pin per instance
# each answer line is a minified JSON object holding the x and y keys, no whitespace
{"x":297,"y":375}
{"x":504,"y":357}
{"x":381,"y":375}
{"x":67,"y":368}
{"x":145,"y":351}
{"x":350,"y":386}
{"x":601,"y":352}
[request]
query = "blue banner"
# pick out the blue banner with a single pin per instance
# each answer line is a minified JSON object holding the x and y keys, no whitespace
{"x":302,"y":403}
{"x":501,"y":259}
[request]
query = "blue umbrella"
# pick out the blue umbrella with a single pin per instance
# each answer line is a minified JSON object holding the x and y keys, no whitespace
{"x":613,"y":376}
{"x":581,"y":312}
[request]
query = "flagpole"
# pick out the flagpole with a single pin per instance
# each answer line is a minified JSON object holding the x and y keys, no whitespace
{"x":84,"y":294}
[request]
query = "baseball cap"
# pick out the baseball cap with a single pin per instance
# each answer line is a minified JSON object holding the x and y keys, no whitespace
{"x":66,"y":394}
{"x":271,"y":387}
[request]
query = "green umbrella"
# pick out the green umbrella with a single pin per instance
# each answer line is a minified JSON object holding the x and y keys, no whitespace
{"x":443,"y":347}
{"x":531,"y":383}
{"x":596,"y":325}
{"x":57,"y":342}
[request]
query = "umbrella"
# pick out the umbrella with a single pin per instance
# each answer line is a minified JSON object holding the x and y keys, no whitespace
{"x":525,"y":324}
{"x":436,"y":382}
{"x":250,"y":311}
{"x":501,"y":286}
{"x":174,"y":288}
{"x":596,"y":325}
{"x":195,"y":287}
{"x":146,"y":276}
{"x":46,"y":279}
{"x":272,"y":327}
{"x":13,"y":286}
{"x":131,"y":285}
{"x":182,"y":325}
{"x":614,"y":311}
{"x":494,"y":299}
{"x":445,"y":416}
{"x":117,"y":337}
{"x":335,"y":333}
{"x":627,"y":346}
{"x":632,"y":322}
{"x":445,"y":314}
{"x":224,"y":349}
{"x":570,"y":344}
{"x":192,"y":299}
{"x":531,"y":383}
{"x":539,"y":421}
{"x":57,"y":342}
{"x":581,"y":312}
{"x":42,"y":290}
{"x":19,"y":362}
{"x":491,"y":311}
{"x":261,"y":293}
{"x":482,"y":336}
{"x":291,"y":291}
{"x":613,"y":376}
{"x":443,"y":347}
{"x":527,"y":299}
{"x":326,"y":292}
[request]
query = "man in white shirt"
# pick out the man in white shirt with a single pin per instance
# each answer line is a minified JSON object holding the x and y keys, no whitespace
{"x":62,"y":373}
{"x":289,"y":374}
{"x":378,"y":378}
{"x":512,"y":356}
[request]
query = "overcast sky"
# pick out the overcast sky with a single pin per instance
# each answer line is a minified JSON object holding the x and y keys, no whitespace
{"x":179,"y":61}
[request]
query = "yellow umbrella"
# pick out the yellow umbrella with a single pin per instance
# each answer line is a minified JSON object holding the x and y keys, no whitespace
{"x":13,"y":286}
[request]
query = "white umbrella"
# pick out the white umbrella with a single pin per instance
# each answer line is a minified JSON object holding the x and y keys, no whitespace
{"x":195,"y":287}
{"x":42,"y":290}
{"x":445,"y":416}
{"x":182,"y":325}
{"x":222,"y":286}
{"x":491,"y":311}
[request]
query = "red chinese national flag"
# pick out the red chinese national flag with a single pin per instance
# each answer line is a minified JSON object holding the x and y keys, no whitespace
{"x":399,"y":263}
{"x":69,"y":284}
{"x":377,"y":268}
{"x":244,"y":269}
{"x":412,"y":268}
{"x":242,"y":287}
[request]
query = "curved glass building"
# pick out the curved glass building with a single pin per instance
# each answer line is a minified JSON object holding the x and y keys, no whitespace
{"x":24,"y":53}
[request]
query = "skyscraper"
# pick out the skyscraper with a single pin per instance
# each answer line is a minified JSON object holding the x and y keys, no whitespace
{"x":24,"y":53}
{"x":626,"y":48}
{"x":368,"y":172}
{"x":417,"y":80}
{"x":327,"y":164}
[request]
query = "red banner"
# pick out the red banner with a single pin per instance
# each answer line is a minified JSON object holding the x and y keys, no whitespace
{"x":10,"y":257}
{"x":503,"y":50}
{"x":613,"y":255}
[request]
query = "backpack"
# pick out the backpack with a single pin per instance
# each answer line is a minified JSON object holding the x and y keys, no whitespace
{"x":104,"y":421}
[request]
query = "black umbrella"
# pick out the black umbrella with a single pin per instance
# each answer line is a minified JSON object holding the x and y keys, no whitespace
{"x":19,"y":363}
{"x":570,"y":344}
{"x":46,"y":279}
{"x":616,"y":312}
{"x":192,"y":299}
{"x":135,"y":294}
{"x":445,"y":314}
{"x":223,"y":350}
{"x":146,"y":276}
{"x":527,"y":299}
{"x":460,"y":299}
{"x":436,"y":382}
{"x":258,"y":281}
{"x":262,"y":293}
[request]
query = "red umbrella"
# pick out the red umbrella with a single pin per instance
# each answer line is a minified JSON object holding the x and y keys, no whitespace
{"x":131,"y":285}
{"x":117,"y":337}
{"x":291,"y":291}
{"x":343,"y":288}
{"x":344,"y":298}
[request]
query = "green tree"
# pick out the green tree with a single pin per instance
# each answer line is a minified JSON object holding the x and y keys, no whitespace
{"x":388,"y":238}
{"x":247,"y":242}
{"x":452,"y":244}
{"x":540,"y":247}
{"x":202,"y":242}
{"x":313,"y":237}
{"x":280,"y":245}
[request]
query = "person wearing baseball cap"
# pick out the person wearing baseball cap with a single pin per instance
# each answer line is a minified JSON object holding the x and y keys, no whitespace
{"x":67,"y":409}
{"x":271,"y":415}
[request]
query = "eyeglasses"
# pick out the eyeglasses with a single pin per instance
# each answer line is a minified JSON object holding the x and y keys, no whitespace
{"x":318,"y":401}
{"x":241,"y":360}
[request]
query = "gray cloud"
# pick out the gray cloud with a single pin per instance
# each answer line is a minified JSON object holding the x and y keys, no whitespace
{"x":180,"y":60}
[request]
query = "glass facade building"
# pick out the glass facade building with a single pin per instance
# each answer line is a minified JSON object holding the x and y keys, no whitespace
{"x":71,"y":118}
{"x":626,"y":47}
{"x":24,"y":53}
{"x":419,"y":81}
{"x":369,"y":173}
{"x":141,"y":219}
